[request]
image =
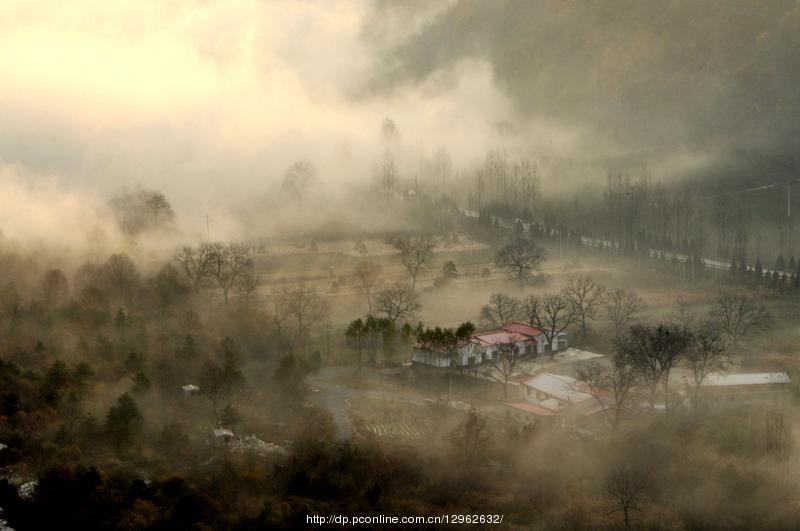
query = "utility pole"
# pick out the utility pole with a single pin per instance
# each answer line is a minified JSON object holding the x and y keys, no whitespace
{"x":208,"y":229}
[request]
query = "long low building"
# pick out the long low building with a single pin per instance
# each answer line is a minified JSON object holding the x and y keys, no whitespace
{"x":522,"y":338}
{"x":747,"y":389}
{"x":547,"y":395}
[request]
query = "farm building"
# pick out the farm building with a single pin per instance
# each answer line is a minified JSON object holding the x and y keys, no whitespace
{"x":522,"y":338}
{"x":547,"y":395}
{"x":744,"y":390}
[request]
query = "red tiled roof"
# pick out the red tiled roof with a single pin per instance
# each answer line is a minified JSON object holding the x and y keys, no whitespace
{"x":532,"y":408}
{"x":498,"y":337}
{"x":522,"y":328}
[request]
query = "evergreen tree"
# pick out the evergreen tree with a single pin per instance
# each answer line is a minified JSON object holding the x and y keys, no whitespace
{"x":141,"y":383}
{"x":124,"y":422}
{"x":780,"y":264}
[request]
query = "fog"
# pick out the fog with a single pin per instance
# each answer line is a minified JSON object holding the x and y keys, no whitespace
{"x":283,"y":264}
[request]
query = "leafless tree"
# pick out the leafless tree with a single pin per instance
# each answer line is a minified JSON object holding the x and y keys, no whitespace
{"x":683,"y":316}
{"x":388,"y":173}
{"x":472,"y":436}
{"x":169,"y":286}
{"x":190,"y":323}
{"x":618,"y":379}
{"x":778,"y":436}
{"x":121,"y":273}
{"x":501,"y":310}
{"x":366,"y":276}
{"x":416,"y":254}
{"x":621,"y":308}
{"x":195,"y":263}
{"x":506,"y":361}
{"x":551,"y":313}
{"x":705,"y":356}
{"x":246,"y":287}
{"x":227,"y":264}
{"x":585,"y":295}
{"x":295,"y":312}
{"x":299,"y":177}
{"x":55,"y":288}
{"x":520,"y":259}
{"x":654,"y":351}
{"x":140,"y":210}
{"x":739,"y":316}
{"x":399,"y":301}
{"x":625,"y":487}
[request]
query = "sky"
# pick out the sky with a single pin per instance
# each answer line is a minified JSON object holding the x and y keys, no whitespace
{"x":211,"y":100}
{"x":195,"y":97}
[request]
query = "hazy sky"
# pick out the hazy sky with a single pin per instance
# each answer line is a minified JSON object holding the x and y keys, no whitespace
{"x":210,"y":95}
{"x":214,"y":99}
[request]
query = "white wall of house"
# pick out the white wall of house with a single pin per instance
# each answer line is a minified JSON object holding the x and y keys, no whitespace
{"x":474,"y":354}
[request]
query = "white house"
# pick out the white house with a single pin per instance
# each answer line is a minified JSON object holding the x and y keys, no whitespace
{"x":523,"y":338}
{"x":556,"y":395}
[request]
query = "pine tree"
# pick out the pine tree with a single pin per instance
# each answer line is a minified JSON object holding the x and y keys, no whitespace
{"x":758,"y":272}
{"x":124,"y":422}
{"x":780,"y":263}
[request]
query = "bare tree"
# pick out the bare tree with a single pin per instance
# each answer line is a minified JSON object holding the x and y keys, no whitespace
{"x":505,"y":362}
{"x":399,"y":301}
{"x":195,"y":263}
{"x":472,"y":436}
{"x":619,"y":380}
{"x":778,"y":436}
{"x":585,"y":294}
{"x":139,"y":210}
{"x":246,"y":287}
{"x":739,"y":316}
{"x":55,"y":288}
{"x":654,"y":351}
{"x":295,"y":312}
{"x":388,"y":173}
{"x":298,"y":179}
{"x":625,"y":487}
{"x":228,"y":263}
{"x":356,"y":338}
{"x":683,"y":316}
{"x":705,"y":356}
{"x":552,"y":314}
{"x":621,"y":308}
{"x":366,"y":276}
{"x":520,"y":259}
{"x":121,"y":273}
{"x":189,"y":323}
{"x":501,"y":310}
{"x":416,"y":254}
{"x":169,"y":286}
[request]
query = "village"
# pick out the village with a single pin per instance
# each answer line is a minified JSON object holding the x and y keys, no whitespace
{"x":559,"y":365}
{"x":521,"y":382}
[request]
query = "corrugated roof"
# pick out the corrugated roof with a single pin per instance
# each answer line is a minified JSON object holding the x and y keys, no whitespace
{"x":562,"y":387}
{"x":752,"y":378}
